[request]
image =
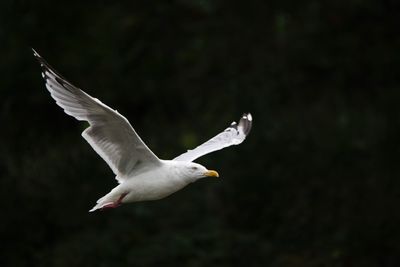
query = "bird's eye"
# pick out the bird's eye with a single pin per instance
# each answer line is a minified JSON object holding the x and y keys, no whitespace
{"x":194,"y":168}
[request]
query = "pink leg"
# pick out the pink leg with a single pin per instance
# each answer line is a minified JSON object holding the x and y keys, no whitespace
{"x":112,"y":205}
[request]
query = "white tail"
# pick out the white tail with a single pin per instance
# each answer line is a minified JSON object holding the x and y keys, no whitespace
{"x":111,"y":200}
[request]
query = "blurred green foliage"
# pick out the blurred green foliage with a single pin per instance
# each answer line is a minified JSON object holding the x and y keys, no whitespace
{"x":315,"y":184}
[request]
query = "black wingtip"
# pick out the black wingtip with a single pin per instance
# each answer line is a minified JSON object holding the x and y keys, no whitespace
{"x":246,"y":123}
{"x":47,"y":67}
{"x":36,"y":54}
{"x":39,"y":58}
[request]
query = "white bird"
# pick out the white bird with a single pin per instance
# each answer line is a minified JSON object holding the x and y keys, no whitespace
{"x":140,"y":173}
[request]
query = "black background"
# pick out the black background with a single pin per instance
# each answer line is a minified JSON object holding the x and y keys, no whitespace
{"x":315,"y":184}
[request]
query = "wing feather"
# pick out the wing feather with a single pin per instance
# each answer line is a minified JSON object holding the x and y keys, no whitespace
{"x":233,"y":135}
{"x":110,"y":134}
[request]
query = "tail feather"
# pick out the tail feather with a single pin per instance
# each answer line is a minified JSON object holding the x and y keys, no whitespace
{"x":96,"y":207}
{"x":110,"y":198}
{"x":103,"y":205}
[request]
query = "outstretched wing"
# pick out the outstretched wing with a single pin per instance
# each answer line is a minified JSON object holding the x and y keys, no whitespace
{"x":109,"y":134}
{"x":233,"y":135}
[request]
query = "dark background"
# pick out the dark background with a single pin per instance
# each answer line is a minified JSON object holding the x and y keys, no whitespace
{"x":317,"y":182}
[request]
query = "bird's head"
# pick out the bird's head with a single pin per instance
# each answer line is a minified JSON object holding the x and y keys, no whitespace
{"x":197,"y":171}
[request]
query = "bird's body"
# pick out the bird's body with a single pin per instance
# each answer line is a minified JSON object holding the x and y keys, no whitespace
{"x":141,"y":174}
{"x":155,"y":184}
{"x":151,"y":185}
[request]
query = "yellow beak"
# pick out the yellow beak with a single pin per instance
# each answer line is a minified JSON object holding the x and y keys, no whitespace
{"x":211,"y":173}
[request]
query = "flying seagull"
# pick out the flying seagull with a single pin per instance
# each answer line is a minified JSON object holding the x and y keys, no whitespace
{"x":140,"y":173}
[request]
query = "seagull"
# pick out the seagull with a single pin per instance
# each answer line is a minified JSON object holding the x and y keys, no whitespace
{"x":141,"y":175}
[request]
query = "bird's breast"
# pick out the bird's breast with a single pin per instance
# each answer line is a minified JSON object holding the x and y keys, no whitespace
{"x":152,"y":186}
